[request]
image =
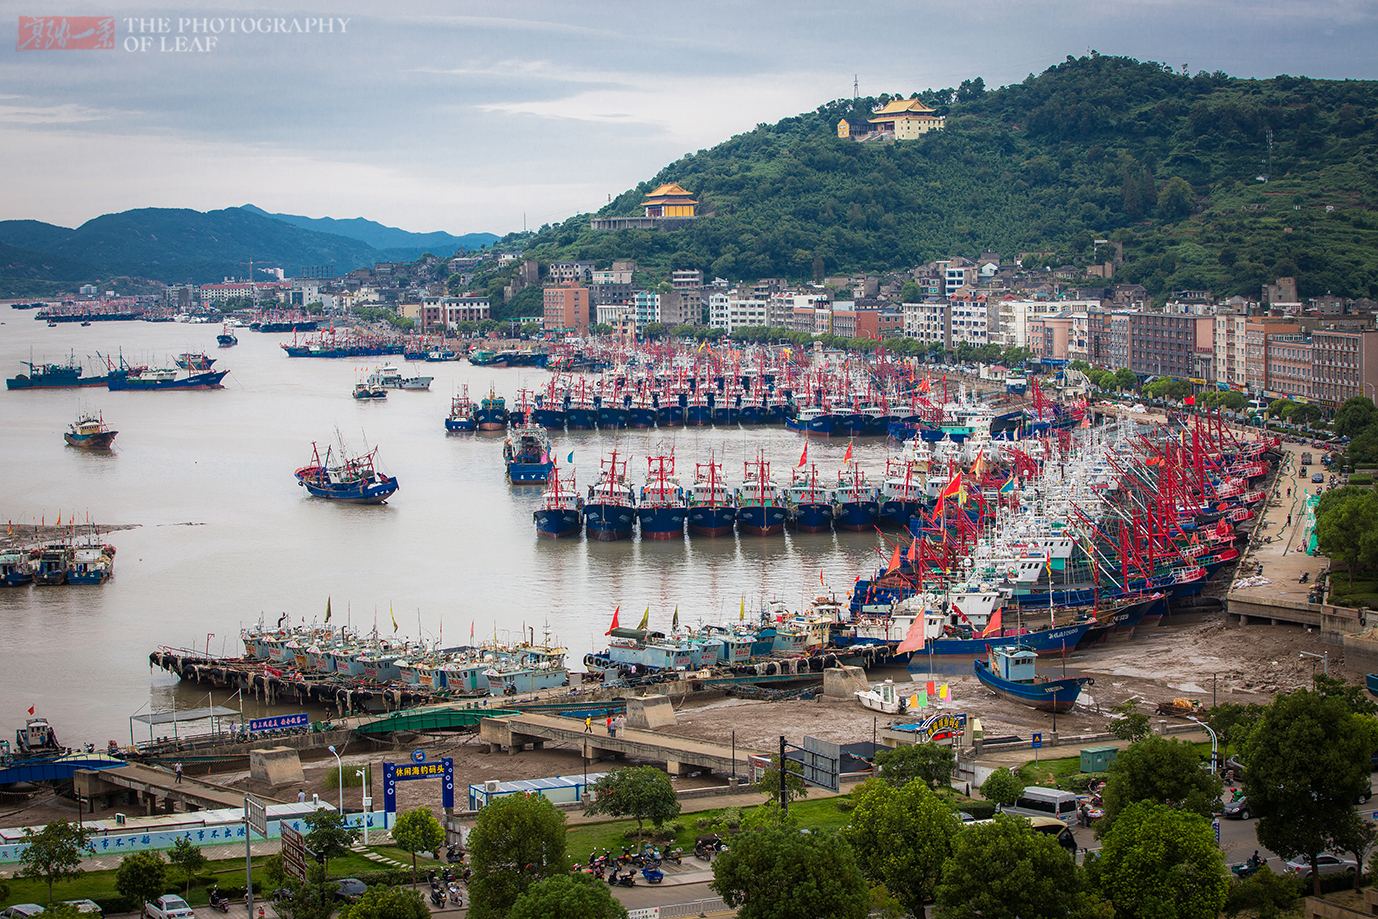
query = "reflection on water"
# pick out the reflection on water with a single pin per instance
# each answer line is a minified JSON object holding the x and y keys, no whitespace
{"x":225,"y":536}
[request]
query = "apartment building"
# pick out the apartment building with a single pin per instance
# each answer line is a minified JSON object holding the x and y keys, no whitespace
{"x":1289,"y":366}
{"x":1344,"y":365}
{"x":567,"y":307}
{"x":929,"y":322}
{"x":970,"y":321}
{"x":1230,"y":337}
{"x":1256,"y":330}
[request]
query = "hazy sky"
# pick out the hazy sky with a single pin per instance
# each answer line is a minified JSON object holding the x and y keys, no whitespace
{"x":472,"y":116}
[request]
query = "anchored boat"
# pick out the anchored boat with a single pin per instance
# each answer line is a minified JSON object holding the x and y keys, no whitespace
{"x":1010,"y":674}
{"x":351,"y":479}
{"x":90,"y":432}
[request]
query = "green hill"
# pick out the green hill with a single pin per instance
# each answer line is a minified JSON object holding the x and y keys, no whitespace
{"x":26,"y":273}
{"x":384,"y":238}
{"x":1094,"y":148}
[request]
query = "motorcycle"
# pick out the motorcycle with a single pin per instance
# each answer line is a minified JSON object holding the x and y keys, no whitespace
{"x":437,"y":897}
{"x":456,"y":895}
{"x":652,"y":874}
{"x":454,"y":854}
{"x":675,"y":855}
{"x":1248,"y":867}
{"x":624,"y":880}
{"x":218,"y":900}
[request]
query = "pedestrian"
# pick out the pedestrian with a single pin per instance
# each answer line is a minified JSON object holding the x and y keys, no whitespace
{"x":177,"y":771}
{"x":611,"y":733}
{"x":1289,"y":520}
{"x":301,"y":797}
{"x":588,"y":724}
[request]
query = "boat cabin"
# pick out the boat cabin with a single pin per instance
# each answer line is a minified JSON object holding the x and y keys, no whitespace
{"x":1015,"y":666}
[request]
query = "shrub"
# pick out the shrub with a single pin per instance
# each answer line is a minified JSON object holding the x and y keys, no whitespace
{"x":981,"y":810}
{"x":1082,"y":781}
{"x":388,"y":877}
{"x":1265,"y":893}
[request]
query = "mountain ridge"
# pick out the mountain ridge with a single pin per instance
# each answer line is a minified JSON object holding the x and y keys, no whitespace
{"x":381,"y":236}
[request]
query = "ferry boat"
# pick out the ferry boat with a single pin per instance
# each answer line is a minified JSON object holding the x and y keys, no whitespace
{"x":461,"y":418}
{"x":492,"y":412}
{"x":610,"y":511}
{"x":760,"y":509}
{"x":350,"y":479}
{"x":89,"y":432}
{"x":712,"y":509}
{"x":527,"y":455}
{"x":561,"y":510}
{"x":662,"y":508}
{"x":810,"y":502}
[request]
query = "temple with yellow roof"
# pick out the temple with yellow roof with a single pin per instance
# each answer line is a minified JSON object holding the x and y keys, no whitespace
{"x":899,"y":119}
{"x":669,"y":200}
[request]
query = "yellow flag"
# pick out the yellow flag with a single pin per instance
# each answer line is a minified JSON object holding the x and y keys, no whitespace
{"x":394,"y":618}
{"x":741,"y":616}
{"x":645,"y":619}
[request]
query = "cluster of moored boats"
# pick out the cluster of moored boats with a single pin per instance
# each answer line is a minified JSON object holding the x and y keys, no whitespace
{"x":81,"y":561}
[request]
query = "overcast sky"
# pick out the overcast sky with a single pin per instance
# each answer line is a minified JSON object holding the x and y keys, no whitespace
{"x":476,"y":116}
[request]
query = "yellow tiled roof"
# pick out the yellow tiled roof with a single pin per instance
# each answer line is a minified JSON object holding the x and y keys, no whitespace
{"x":667,"y":192}
{"x":904,"y":107}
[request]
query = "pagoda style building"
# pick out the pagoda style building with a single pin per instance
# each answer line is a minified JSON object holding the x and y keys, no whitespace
{"x":669,"y":200}
{"x":900,"y":119}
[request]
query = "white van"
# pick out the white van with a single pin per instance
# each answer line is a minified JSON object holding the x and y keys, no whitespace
{"x":1046,"y":802}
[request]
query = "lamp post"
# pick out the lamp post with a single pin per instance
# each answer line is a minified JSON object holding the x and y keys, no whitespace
{"x":1215,"y":745}
{"x":1323,"y":657}
{"x":366,"y":801}
{"x":339,"y":770}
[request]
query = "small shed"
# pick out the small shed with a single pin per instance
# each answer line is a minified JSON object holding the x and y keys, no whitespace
{"x":564,"y":789}
{"x":1098,"y":759}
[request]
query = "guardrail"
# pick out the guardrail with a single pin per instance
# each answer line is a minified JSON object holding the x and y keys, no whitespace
{"x":676,"y":910}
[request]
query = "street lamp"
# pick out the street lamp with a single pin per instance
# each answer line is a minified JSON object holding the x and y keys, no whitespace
{"x":366,"y":800}
{"x":1323,"y":657}
{"x":1215,"y":745}
{"x":339,"y":770}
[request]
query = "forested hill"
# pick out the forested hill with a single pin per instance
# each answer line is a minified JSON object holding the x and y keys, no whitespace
{"x":1096,"y":147}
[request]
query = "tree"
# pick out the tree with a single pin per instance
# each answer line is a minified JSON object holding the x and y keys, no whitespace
{"x":1176,"y":199}
{"x":517,"y":841}
{"x":1354,"y":416}
{"x":930,"y":763}
{"x":1232,"y":722}
{"x":1159,"y":771}
{"x":907,"y":835}
{"x":141,"y":877}
{"x":1131,"y":724}
{"x":910,"y":293}
{"x":1002,"y":786}
{"x":415,"y":831}
{"x":327,"y":836}
{"x":654,"y":330}
{"x":567,"y":896}
{"x":785,"y":874}
{"x":1126,"y":379}
{"x":1161,"y":863}
{"x":1347,"y":527}
{"x":642,"y":793}
{"x":769,"y":783}
{"x":1004,"y":870}
{"x":1354,"y":697}
{"x":380,"y":902}
{"x":314,"y":899}
{"x":54,"y":853}
{"x":187,"y":856}
{"x":1305,"y":765}
{"x":1356,"y":835}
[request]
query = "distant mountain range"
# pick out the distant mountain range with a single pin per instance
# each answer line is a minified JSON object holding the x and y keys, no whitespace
{"x":181,"y":245}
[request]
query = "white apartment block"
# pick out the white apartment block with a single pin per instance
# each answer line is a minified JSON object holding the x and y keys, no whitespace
{"x":646,"y":305}
{"x":717,"y":309}
{"x":614,"y":313}
{"x":970,"y":322}
{"x":1014,"y":320}
{"x":928,"y":322}
{"x":731,"y":311}
{"x":1230,"y":345}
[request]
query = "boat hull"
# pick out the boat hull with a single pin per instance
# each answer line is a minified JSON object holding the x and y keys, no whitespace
{"x":705,"y":520}
{"x":662,"y":522}
{"x":460,"y":425}
{"x":101,"y":441}
{"x":642,"y":418}
{"x":208,"y":380}
{"x":758,"y":520}
{"x":609,"y":522}
{"x":812,"y":518}
{"x":946,"y":651}
{"x":857,"y":516}
{"x":613,"y":417}
{"x":555,"y":524}
{"x":1045,"y":696}
{"x":529,"y":473}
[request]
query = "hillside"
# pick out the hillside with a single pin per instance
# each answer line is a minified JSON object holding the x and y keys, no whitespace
{"x":383,"y":237}
{"x":26,"y":273}
{"x":1095,"y":147}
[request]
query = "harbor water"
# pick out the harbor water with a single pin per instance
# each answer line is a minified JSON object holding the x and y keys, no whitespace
{"x":222,"y":536}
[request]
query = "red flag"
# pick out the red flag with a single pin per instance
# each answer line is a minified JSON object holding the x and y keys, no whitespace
{"x":993,"y":624}
{"x":952,"y":487}
{"x":913,"y":553}
{"x":932,"y":689}
{"x":894,"y":561}
{"x":614,"y":620}
{"x":30,"y":709}
{"x":960,"y":615}
{"x":1189,"y":400}
{"x":804,"y":457}
{"x":820,"y":578}
{"x":913,"y":639}
{"x":848,"y":458}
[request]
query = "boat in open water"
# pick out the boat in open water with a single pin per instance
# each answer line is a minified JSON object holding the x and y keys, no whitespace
{"x":54,"y":376}
{"x":165,"y":378}
{"x":89,"y":432}
{"x":461,"y":418}
{"x":527,"y":455}
{"x":351,"y":479}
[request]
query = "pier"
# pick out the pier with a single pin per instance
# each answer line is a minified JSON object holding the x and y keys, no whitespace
{"x":150,"y":786}
{"x":680,"y":756}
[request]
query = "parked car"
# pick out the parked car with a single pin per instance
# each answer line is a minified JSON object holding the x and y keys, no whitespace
{"x":1325,"y":864}
{"x":1237,"y":809}
{"x":349,"y":889}
{"x":22,"y":911}
{"x":86,"y":907}
{"x":168,"y":907}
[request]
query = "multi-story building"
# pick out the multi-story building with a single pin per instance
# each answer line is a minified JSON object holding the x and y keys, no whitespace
{"x":737,"y":310}
{"x":1164,"y":344}
{"x":681,"y":307}
{"x":568,"y":308}
{"x":1116,"y":340}
{"x":970,"y":321}
{"x":1345,"y":365}
{"x":718,"y":301}
{"x":1230,"y":340}
{"x":958,"y":273}
{"x":445,"y":313}
{"x":645,"y":305}
{"x":1256,"y":330}
{"x":1289,"y":366}
{"x":1049,"y":337}
{"x":929,"y":322}
{"x":686,"y":279}
{"x":562,"y":272}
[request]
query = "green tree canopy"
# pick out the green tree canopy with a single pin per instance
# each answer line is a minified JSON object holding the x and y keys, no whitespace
{"x":1306,"y":764}
{"x":1131,"y":724}
{"x":906,"y":834}
{"x":415,"y":831}
{"x":777,"y":873}
{"x":1159,"y":771}
{"x":141,"y":878}
{"x":930,"y":763}
{"x":1354,"y":416}
{"x":567,"y":896}
{"x":382,"y":902}
{"x":769,"y":782}
{"x":1176,"y":199}
{"x":1158,"y":862}
{"x":187,"y":856}
{"x":1347,"y":527}
{"x":1004,"y":870}
{"x":1002,"y":787}
{"x":642,"y":793}
{"x":517,"y":841}
{"x":54,"y":853}
{"x":327,"y":836}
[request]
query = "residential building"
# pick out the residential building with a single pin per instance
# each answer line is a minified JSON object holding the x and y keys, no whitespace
{"x":1049,"y":337}
{"x":739,"y":310}
{"x":1345,"y":365}
{"x":929,"y":322}
{"x":681,"y":307}
{"x":1256,"y":330}
{"x":1164,"y":344}
{"x":645,"y":305}
{"x":1230,"y":340}
{"x":686,"y":279}
{"x":718,"y":305}
{"x":564,"y":272}
{"x":445,"y":313}
{"x":970,"y":321}
{"x":568,"y":308}
{"x":958,"y":273}
{"x":1289,"y":366}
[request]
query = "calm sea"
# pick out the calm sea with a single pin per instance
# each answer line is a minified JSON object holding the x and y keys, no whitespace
{"x":225,"y":537}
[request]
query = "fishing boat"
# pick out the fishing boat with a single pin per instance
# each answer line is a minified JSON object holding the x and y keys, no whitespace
{"x":365,"y":391}
{"x":760,"y":509}
{"x":858,"y":503}
{"x":91,"y":564}
{"x":461,"y":417}
{"x":36,"y":737}
{"x":165,"y":378}
{"x":54,"y":376}
{"x":561,"y":510}
{"x":610,"y":511}
{"x":389,"y":377}
{"x":883,"y":698}
{"x":527,"y":455}
{"x":1010,"y":674}
{"x":89,"y":432}
{"x":50,"y":565}
{"x":226,"y":338}
{"x":662,"y":508}
{"x":810,"y":502}
{"x":712,"y":509}
{"x":350,"y":479}
{"x":492,"y":412}
{"x":194,"y":361}
{"x":15,"y":570}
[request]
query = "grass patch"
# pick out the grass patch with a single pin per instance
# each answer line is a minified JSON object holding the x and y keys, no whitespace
{"x":100,"y":885}
{"x":1363,"y":593}
{"x":350,"y":775}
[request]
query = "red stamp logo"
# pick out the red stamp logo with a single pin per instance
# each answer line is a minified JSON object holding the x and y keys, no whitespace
{"x":66,"y":33}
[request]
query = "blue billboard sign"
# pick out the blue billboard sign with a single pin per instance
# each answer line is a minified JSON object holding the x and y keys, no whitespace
{"x":278,"y":722}
{"x":396,"y":772}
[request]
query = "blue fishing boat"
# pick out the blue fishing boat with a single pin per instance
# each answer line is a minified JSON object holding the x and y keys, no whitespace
{"x":761,"y":511}
{"x":462,"y":412}
{"x":712,"y":510}
{"x":857,"y":502}
{"x":610,"y":511}
{"x":54,"y":376}
{"x":561,"y":510}
{"x":810,"y":502}
{"x":15,"y":570}
{"x":165,"y":378}
{"x":350,"y":479}
{"x":226,"y":338}
{"x":527,"y":454}
{"x":1010,"y":673}
{"x":492,"y":413}
{"x":662,"y":508}
{"x":812,"y":421}
{"x":611,"y":413}
{"x":642,"y":412}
